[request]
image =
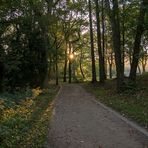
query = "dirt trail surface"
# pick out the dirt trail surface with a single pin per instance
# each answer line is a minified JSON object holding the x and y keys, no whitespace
{"x":78,"y":122}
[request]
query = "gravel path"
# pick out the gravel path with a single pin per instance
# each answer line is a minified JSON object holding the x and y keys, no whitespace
{"x":78,"y":122}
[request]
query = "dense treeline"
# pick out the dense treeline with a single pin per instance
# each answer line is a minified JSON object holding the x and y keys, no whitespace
{"x":23,"y":43}
{"x":42,"y":39}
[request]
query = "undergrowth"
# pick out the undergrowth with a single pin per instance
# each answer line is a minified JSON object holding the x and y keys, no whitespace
{"x":24,"y":117}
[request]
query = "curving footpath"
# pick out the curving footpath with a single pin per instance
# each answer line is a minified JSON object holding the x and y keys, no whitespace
{"x":79,"y":122}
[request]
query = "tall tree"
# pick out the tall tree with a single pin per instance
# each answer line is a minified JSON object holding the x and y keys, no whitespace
{"x":103,"y":36}
{"x":115,"y":24}
{"x":123,"y":33}
{"x":92,"y":44}
{"x":100,"y":51}
{"x":70,"y":61}
{"x":136,"y":48}
{"x":65,"y":64}
{"x":81,"y":69}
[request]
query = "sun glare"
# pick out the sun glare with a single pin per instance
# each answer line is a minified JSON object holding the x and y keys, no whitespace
{"x":71,"y":56}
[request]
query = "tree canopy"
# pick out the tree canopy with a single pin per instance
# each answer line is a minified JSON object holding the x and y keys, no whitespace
{"x":105,"y":39}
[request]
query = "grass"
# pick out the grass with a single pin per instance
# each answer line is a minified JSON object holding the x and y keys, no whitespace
{"x":25,"y":116}
{"x":132,"y":104}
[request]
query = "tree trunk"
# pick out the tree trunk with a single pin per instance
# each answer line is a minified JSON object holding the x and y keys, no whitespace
{"x":65,"y":65}
{"x":56,"y":68}
{"x":92,"y":45}
{"x":110,"y":71}
{"x":139,"y":70}
{"x":106,"y":53}
{"x":110,"y":63}
{"x":100,"y":51}
{"x":130,"y":59}
{"x":49,"y":70}
{"x":143,"y":68}
{"x":82,"y":73}
{"x":103,"y":38}
{"x":136,"y":49}
{"x":45,"y":58}
{"x":114,"y":18}
{"x":70,"y":63}
{"x":69,"y":71}
{"x":144,"y":62}
{"x":123,"y":33}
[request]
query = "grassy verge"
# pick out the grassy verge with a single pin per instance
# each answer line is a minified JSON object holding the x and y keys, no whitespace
{"x":133,"y":104}
{"x":24,"y":117}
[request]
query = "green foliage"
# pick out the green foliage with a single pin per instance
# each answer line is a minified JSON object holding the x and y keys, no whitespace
{"x":25,"y":117}
{"x":34,"y":34}
{"x":23,"y":43}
